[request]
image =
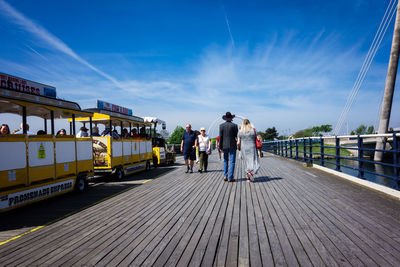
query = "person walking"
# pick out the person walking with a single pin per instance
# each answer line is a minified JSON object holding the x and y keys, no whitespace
{"x":248,"y":151}
{"x":204,"y":144}
{"x":219,"y":150}
{"x":259,"y":145}
{"x":227,"y":142}
{"x":188,"y":147}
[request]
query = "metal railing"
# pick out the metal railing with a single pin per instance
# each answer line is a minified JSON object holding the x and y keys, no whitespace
{"x":353,"y":153}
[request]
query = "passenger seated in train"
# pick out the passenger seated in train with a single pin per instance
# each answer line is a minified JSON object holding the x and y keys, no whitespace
{"x":125,"y":133}
{"x":4,"y":129}
{"x":61,"y":132}
{"x":83,"y":132}
{"x":142,"y":132}
{"x":20,"y":131}
{"x":134,"y":132}
{"x":95,"y":131}
{"x":115,"y":134}
{"x":40,"y":132}
{"x":107,"y":132}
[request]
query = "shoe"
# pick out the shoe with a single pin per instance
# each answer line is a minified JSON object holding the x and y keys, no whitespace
{"x":231,"y":180}
{"x":247,"y":177}
{"x":225,"y":179}
{"x":200,"y":171}
{"x":205,"y":170}
{"x":191,"y":171}
{"x":187,"y":170}
{"x":251,"y":177}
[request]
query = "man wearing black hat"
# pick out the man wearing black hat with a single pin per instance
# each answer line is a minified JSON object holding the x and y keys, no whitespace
{"x":227,"y":142}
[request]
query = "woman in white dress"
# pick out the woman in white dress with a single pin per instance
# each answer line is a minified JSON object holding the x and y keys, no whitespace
{"x":248,"y":152}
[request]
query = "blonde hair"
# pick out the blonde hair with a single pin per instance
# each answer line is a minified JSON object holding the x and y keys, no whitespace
{"x":246,"y":126}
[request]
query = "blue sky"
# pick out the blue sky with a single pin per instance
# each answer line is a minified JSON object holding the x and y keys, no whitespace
{"x":288,"y":64}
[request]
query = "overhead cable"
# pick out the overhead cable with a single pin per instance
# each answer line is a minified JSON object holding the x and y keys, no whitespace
{"x":390,"y":11}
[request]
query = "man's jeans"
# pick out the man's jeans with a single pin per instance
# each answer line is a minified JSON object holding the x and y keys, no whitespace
{"x":229,"y":155}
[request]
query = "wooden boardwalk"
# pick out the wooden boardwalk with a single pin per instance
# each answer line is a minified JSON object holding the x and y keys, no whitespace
{"x":291,"y":215}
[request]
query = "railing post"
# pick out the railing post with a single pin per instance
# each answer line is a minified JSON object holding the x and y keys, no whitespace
{"x":297,"y":149}
{"x":304,"y":150}
{"x":322,"y":152}
{"x":290,"y":146}
{"x":396,"y":163}
{"x":282,"y":149}
{"x":279,"y":148}
{"x":286,"y":154}
{"x":360,"y":157}
{"x":337,"y":142}
{"x":310,"y":149}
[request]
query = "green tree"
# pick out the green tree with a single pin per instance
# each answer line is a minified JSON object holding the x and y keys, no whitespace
{"x":313,"y":131}
{"x":326,"y":128}
{"x":270,"y":134}
{"x":362,"y":129}
{"x":176,"y":136}
{"x":370,"y":130}
{"x":299,"y":134}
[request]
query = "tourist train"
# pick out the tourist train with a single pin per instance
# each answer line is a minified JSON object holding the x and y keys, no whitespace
{"x":34,"y":167}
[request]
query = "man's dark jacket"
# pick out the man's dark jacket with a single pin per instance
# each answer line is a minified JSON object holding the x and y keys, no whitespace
{"x":227,"y":135}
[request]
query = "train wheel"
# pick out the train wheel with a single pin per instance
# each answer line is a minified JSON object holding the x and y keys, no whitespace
{"x":147,"y":165}
{"x":155,"y":161}
{"x":81,"y":184}
{"x":119,"y":174}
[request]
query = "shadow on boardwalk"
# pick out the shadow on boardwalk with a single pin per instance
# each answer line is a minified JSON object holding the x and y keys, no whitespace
{"x":43,"y":212}
{"x":290,"y":216}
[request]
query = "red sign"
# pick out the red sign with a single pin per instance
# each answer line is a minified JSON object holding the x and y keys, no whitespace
{"x":26,"y":86}
{"x":114,"y":108}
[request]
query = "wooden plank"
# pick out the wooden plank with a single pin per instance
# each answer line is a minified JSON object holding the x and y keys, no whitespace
{"x":39,"y":235}
{"x":152,"y":254}
{"x":140,"y":253}
{"x":254,"y":247}
{"x":244,"y":254}
{"x":283,"y":237}
{"x":88,"y":235}
{"x":190,"y":248}
{"x":216,"y":236}
{"x":351,"y":250}
{"x":65,"y":231}
{"x":127,"y":241}
{"x":226,"y":227}
{"x":263,"y":242}
{"x":326,"y":249}
{"x":201,"y":246}
{"x":275,"y":246}
{"x":192,"y":234}
{"x":355,"y":231}
{"x":189,"y":224}
{"x":287,"y":217}
{"x":233,"y":244}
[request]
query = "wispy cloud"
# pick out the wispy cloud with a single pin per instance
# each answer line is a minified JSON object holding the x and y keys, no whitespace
{"x":228,"y":26}
{"x":41,"y":33}
{"x":292,"y":80}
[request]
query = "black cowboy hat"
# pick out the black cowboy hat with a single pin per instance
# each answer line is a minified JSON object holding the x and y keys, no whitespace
{"x":228,"y":116}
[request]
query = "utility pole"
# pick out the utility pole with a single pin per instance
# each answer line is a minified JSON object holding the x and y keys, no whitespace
{"x":389,"y":88}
